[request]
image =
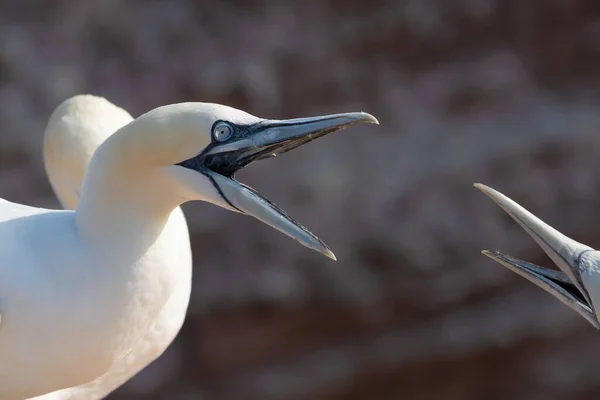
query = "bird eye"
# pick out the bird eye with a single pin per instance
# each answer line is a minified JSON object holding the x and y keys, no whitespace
{"x":222,"y":131}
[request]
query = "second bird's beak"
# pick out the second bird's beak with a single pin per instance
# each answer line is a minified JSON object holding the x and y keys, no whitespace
{"x":264,"y":139}
{"x":570,"y":256}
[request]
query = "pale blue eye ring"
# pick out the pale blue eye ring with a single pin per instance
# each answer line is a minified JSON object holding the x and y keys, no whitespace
{"x":222,"y":131}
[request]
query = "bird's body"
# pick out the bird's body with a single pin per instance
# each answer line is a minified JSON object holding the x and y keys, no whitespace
{"x":69,"y":276}
{"x":76,"y":129}
{"x":51,"y":314}
{"x":81,"y":290}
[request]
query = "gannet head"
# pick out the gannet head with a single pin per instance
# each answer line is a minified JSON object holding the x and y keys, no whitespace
{"x":577,"y":284}
{"x":201,"y":146}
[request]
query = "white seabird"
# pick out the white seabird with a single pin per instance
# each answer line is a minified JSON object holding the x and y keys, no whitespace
{"x":76,"y":129}
{"x":79,"y":289}
{"x":577,"y":284}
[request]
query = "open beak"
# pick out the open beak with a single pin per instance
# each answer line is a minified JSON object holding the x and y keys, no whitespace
{"x":268,"y":138}
{"x":566,"y":284}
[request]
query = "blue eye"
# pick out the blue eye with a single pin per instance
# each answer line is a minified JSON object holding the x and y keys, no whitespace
{"x":222,"y":131}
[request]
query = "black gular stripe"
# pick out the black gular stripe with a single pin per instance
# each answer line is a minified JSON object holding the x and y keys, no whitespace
{"x":220,"y":192}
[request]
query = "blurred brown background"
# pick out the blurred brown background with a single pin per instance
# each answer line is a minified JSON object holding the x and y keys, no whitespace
{"x":504,"y":92}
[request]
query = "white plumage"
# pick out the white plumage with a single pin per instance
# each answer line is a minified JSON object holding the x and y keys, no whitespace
{"x":75,"y":130}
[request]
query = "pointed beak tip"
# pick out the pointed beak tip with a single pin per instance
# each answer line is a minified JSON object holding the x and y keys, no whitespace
{"x":370,"y":119}
{"x":485,"y":189}
{"x":493,"y":255}
{"x":487,"y":253}
{"x":493,"y":194}
{"x":328,"y":253}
